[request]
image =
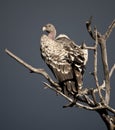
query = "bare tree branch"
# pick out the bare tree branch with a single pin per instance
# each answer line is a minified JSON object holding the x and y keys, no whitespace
{"x":112,"y":70}
{"x":89,"y":29}
{"x":109,"y":30}
{"x":95,"y":67}
{"x":106,"y":70}
{"x":110,"y":109}
{"x":33,"y":69}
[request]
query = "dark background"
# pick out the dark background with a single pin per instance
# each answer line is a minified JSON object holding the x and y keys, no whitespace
{"x":24,"y":104}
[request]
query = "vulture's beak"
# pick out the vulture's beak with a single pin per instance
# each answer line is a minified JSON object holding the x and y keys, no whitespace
{"x":44,"y":28}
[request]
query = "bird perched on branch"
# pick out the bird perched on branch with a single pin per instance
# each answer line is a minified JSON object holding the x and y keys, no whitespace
{"x":66,"y":60}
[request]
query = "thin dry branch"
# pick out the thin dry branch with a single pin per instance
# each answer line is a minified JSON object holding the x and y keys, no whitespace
{"x":109,"y":30}
{"x":32,"y":69}
{"x":106,"y":70}
{"x":95,"y":67}
{"x":110,"y":109}
{"x":89,"y":29}
{"x":112,"y":70}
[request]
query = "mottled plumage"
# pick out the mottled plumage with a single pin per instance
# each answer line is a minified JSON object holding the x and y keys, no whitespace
{"x":66,"y":60}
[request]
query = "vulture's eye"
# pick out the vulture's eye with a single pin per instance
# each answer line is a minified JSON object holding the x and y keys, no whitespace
{"x":49,"y":25}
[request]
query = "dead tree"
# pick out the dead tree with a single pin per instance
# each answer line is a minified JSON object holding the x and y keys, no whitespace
{"x":87,"y":99}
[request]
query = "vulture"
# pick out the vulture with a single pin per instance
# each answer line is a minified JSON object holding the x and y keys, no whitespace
{"x":65,"y":58}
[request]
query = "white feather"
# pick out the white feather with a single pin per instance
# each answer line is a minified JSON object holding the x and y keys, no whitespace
{"x":62,"y":35}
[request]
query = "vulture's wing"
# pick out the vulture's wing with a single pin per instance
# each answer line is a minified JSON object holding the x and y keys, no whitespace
{"x":75,"y":52}
{"x":76,"y":55}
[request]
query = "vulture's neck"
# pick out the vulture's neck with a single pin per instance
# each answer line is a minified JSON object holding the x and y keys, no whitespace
{"x":52,"y":35}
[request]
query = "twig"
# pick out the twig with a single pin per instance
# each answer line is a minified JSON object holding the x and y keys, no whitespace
{"x":110,"y":109}
{"x":89,"y":47}
{"x":89,"y":101}
{"x":89,"y":29}
{"x":109,"y":30}
{"x":112,"y":70}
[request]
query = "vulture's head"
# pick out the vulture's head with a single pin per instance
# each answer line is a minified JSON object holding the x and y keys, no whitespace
{"x":50,"y":29}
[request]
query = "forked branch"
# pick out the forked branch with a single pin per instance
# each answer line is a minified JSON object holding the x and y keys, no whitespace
{"x":102,"y":42}
{"x":109,"y":30}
